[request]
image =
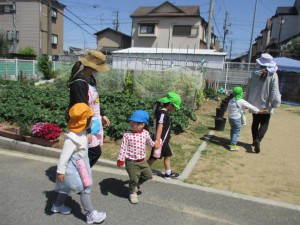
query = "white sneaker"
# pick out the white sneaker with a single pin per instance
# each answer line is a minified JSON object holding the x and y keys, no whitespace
{"x":133,"y":198}
{"x":95,"y":217}
{"x":61,"y":209}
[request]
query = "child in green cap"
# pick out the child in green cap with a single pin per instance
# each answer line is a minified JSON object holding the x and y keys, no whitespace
{"x":236,"y":108}
{"x":162,"y":130}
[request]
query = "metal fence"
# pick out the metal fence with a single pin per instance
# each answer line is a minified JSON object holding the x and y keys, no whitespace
{"x":233,"y":74}
{"x":12,"y":69}
{"x":230,"y":75}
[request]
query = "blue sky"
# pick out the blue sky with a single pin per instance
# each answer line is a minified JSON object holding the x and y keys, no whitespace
{"x":96,"y":15}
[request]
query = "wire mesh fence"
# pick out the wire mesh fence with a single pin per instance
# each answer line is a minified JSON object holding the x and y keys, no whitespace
{"x":148,"y":82}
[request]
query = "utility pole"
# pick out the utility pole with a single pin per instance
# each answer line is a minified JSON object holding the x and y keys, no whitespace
{"x":49,"y":28}
{"x":230,"y":50}
{"x":116,"y":21}
{"x":225,"y":30}
{"x":250,"y":49}
{"x":211,"y":9}
{"x":14,"y":27}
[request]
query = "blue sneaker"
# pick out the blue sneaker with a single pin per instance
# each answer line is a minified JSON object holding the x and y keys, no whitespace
{"x":61,"y":209}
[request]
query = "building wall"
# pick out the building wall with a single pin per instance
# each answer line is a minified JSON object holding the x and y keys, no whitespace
{"x":265,"y":38}
{"x":164,"y":37}
{"x":27,"y":23}
{"x":109,"y":39}
{"x":32,"y":24}
{"x":288,"y":27}
{"x":56,"y":29}
{"x":112,"y":40}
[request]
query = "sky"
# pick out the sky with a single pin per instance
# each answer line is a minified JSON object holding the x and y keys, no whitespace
{"x":83,"y":18}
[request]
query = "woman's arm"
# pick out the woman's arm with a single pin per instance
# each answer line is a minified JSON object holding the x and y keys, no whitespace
{"x":78,"y":92}
{"x":159,"y":130}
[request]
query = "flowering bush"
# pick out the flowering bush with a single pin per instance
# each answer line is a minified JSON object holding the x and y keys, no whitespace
{"x":49,"y":131}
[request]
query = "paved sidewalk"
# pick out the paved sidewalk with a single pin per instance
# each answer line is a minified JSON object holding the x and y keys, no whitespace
{"x":27,"y":183}
{"x":110,"y":167}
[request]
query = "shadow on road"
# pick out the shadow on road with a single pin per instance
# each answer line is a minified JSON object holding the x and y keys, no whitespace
{"x":114,"y":186}
{"x":74,"y":205}
{"x":51,"y":196}
{"x":225,"y":142}
{"x":51,"y":173}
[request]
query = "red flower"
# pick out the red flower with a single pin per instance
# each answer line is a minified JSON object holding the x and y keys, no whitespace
{"x":49,"y":131}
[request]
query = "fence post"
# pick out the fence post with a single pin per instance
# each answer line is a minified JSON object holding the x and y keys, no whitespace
{"x":16,"y":72}
{"x":33,"y":70}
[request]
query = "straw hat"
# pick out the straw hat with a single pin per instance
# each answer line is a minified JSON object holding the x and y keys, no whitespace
{"x":95,"y":60}
{"x":79,"y":113}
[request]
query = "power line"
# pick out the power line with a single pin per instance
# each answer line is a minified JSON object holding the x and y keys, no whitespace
{"x":80,"y":19}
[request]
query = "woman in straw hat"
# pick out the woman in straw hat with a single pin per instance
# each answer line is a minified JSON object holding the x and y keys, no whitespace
{"x":263,"y":92}
{"x":83,"y":89}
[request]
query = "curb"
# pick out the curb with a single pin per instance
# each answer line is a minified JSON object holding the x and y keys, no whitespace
{"x":25,"y":147}
{"x":192,"y":163}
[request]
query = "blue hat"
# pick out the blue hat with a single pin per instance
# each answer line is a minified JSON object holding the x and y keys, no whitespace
{"x":140,"y":116}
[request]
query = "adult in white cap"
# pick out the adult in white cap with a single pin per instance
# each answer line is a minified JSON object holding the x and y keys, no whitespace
{"x":263,"y":92}
{"x":83,"y":90}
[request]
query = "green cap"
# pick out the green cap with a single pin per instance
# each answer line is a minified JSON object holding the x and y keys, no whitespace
{"x":173,"y":98}
{"x":237,"y":92}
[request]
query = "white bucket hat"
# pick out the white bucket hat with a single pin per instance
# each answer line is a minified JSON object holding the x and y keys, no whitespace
{"x":267,"y":60}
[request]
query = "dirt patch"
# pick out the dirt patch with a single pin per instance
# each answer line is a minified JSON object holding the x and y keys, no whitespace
{"x":273,"y":173}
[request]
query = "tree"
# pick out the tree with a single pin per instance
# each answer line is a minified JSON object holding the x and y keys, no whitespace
{"x":4,"y":45}
{"x":45,"y":66}
{"x":294,"y":49}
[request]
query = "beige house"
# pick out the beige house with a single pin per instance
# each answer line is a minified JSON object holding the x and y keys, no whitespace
{"x":169,"y":26}
{"x":34,"y":27}
{"x":283,"y":27}
{"x":109,"y":40}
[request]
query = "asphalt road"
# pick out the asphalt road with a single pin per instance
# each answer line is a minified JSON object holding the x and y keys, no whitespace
{"x":27,"y":193}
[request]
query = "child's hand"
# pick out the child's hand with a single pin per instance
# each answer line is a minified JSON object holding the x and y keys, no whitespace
{"x":120,"y":163}
{"x":60,"y":177}
{"x":156,"y":144}
{"x":89,"y":138}
{"x":263,"y":111}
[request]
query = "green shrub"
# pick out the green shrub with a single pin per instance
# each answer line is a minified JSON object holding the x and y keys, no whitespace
{"x":129,"y":83}
{"x":27,"y":51}
{"x":44,"y":65}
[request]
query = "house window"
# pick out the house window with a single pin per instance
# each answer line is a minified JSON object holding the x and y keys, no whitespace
{"x":8,"y":8}
{"x":54,"y":14}
{"x":147,"y":28}
{"x":182,"y":30}
{"x":54,"y":39}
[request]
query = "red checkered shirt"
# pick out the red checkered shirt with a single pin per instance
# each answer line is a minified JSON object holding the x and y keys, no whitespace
{"x":133,"y":145}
